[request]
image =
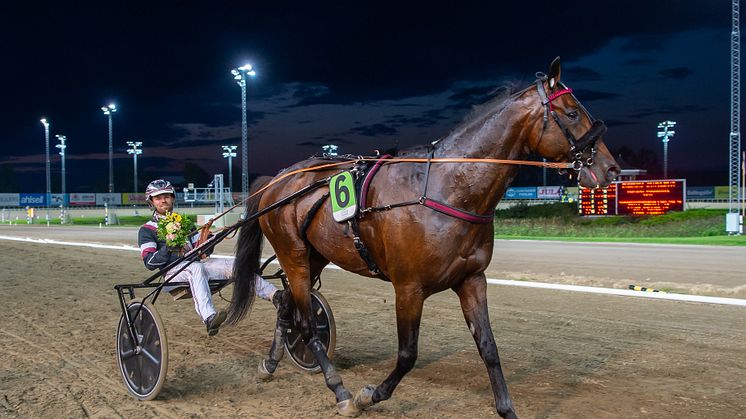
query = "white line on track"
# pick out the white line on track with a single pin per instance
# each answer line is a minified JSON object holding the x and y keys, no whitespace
{"x":508,"y":282}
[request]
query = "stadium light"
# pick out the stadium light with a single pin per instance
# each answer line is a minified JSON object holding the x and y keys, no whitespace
{"x":240,"y":74}
{"x":230,"y":153}
{"x":665,"y":133}
{"x":109,"y":111}
{"x":330,"y":149}
{"x":62,"y":146}
{"x":49,"y":177}
{"x":134,"y":151}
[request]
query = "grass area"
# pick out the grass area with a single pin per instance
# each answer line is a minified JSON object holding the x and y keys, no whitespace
{"x":559,"y":221}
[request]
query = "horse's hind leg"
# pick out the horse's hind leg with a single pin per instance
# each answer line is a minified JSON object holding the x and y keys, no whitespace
{"x":473,"y":296}
{"x":299,"y":278}
{"x":408,"y":315}
{"x":284,"y":321}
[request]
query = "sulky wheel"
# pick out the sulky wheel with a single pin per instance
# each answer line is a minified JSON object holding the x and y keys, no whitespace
{"x":143,"y":367}
{"x":300,"y":355}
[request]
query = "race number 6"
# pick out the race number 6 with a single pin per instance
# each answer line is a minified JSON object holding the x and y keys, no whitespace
{"x":344,"y":204}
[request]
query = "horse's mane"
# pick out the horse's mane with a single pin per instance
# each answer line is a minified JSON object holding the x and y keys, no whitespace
{"x":497,"y":98}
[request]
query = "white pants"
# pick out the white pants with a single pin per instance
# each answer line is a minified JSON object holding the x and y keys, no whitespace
{"x":198,"y":273}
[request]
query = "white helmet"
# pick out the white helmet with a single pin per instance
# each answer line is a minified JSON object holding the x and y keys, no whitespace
{"x":158,"y":187}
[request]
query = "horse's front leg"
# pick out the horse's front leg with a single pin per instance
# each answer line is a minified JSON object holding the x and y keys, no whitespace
{"x":473,"y":296}
{"x":408,"y":316}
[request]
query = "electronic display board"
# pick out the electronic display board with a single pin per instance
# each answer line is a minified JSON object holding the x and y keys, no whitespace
{"x":650,"y":197}
{"x":645,"y":197}
{"x":597,"y":201}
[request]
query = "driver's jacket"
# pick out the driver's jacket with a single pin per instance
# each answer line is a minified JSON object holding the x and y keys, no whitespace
{"x":154,"y":252}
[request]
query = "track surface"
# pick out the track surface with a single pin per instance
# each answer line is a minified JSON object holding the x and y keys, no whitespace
{"x":564,"y":354}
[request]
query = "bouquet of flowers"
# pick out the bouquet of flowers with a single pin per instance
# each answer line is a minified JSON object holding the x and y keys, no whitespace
{"x":174,"y":229}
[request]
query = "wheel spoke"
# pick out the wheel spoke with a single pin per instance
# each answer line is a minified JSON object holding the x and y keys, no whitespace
{"x":293,"y":341}
{"x":146,"y":353}
{"x":125,"y":355}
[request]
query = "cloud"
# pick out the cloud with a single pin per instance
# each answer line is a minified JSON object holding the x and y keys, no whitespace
{"x":587,"y":95}
{"x":676,"y":73}
{"x":582,"y":73}
{"x":374,"y":130}
{"x":667,"y":110}
{"x":639,"y":61}
{"x":617,"y":123}
{"x":644,"y":43}
{"x":417,"y":121}
{"x":323,"y":141}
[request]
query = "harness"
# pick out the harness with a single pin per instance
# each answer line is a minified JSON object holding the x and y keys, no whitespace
{"x":586,"y":145}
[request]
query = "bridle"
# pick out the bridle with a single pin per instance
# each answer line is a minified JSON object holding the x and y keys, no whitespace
{"x":585,"y":145}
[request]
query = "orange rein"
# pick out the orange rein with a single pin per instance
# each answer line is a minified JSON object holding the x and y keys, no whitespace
{"x":206,"y":228}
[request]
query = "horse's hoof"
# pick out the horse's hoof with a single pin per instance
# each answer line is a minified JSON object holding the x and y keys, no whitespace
{"x":347,"y":408}
{"x":364,"y":397}
{"x":263,"y":373}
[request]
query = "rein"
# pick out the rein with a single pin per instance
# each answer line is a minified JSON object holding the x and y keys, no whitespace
{"x":432,"y":204}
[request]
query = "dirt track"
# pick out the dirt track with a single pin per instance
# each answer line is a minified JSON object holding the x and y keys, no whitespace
{"x":565,"y":355}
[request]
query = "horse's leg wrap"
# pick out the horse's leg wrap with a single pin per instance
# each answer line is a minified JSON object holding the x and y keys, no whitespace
{"x":268,"y":366}
{"x":332,"y":378}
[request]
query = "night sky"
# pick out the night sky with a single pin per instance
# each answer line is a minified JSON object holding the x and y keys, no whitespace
{"x":362,"y":75}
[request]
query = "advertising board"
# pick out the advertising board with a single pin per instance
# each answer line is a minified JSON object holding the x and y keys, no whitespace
{"x":133,"y":199}
{"x":57,"y":199}
{"x":82,"y":199}
{"x":700,"y":192}
{"x":548,"y":192}
{"x":32,"y":200}
{"x":520,"y":193}
{"x":9,"y":200}
{"x":108,"y":198}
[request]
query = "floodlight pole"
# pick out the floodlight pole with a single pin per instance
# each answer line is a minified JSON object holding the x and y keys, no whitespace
{"x":665,"y":134}
{"x":48,"y":199}
{"x":134,"y":150}
{"x":230,"y":153}
{"x":732,"y":223}
{"x":240,"y":74}
{"x":62,"y":146}
{"x":109,"y":111}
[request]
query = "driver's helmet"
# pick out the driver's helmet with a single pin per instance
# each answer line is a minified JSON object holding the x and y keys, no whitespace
{"x":158,"y":187}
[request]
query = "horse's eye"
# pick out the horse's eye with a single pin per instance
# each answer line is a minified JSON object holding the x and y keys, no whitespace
{"x":572,"y":114}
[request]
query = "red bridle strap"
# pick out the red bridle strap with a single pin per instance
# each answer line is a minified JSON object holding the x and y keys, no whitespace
{"x":557,"y":94}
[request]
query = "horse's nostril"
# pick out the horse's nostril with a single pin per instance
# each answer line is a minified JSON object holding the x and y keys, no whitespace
{"x":612,"y":173}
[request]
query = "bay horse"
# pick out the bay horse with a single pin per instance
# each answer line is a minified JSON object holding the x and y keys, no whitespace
{"x":421,"y":249}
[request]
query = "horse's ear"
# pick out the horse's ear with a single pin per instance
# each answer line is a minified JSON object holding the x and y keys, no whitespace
{"x":554,"y":73}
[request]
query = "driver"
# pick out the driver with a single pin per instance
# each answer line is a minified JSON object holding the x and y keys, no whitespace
{"x":155,"y":254}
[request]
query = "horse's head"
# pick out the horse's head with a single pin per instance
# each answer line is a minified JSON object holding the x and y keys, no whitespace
{"x":565,"y":131}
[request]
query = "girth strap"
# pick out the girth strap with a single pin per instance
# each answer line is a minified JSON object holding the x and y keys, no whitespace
{"x":362,"y":250}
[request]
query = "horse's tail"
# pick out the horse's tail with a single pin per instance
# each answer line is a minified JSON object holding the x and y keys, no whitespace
{"x":248,"y":254}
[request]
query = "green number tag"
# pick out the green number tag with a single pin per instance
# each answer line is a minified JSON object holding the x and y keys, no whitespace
{"x":344,"y":204}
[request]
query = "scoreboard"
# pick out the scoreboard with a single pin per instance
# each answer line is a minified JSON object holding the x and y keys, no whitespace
{"x":600,"y":201}
{"x":645,"y":197}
